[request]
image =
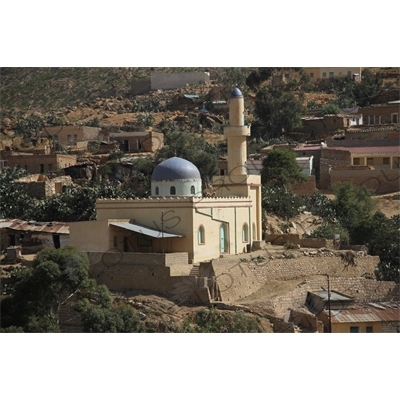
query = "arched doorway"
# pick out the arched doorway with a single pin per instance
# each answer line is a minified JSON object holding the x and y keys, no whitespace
{"x":223,"y":238}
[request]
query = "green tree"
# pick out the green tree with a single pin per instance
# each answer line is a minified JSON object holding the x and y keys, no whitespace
{"x":331,"y":108}
{"x":354,"y":207}
{"x":368,"y":88}
{"x":56,"y":274}
{"x":193,"y":148}
{"x":278,"y":110}
{"x":15,"y":202}
{"x":280,"y":169}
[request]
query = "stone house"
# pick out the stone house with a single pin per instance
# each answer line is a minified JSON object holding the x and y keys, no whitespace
{"x":374,"y":132}
{"x":74,"y":136}
{"x":40,"y":186}
{"x":371,"y":164}
{"x":329,"y":123}
{"x":138,"y":142}
{"x":36,"y":163}
{"x":381,"y":113}
{"x":33,"y":236}
{"x":333,"y":72}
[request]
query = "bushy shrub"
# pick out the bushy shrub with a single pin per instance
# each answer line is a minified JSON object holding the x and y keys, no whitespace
{"x":281,"y":202}
{"x":320,"y":205}
{"x":328,"y":231}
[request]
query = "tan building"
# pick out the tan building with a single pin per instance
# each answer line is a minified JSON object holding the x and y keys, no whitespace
{"x":177,"y":219}
{"x":381,"y":113}
{"x":333,"y":72}
{"x":138,"y":142}
{"x":78,"y":136}
{"x":40,"y":186}
{"x":374,"y":167}
{"x":38,"y":163}
{"x":329,"y":123}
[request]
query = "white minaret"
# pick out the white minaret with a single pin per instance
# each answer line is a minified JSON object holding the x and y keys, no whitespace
{"x":236,"y":133}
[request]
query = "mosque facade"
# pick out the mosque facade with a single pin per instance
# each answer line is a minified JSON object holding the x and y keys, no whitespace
{"x":177,"y":218}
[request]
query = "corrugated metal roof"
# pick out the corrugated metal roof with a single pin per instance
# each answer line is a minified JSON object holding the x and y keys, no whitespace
{"x":369,"y":150}
{"x":61,"y":228}
{"x":366,"y":315}
{"x":145,"y":230}
{"x":335,"y":296}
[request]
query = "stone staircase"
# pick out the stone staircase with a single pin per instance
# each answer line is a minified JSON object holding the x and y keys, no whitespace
{"x":195,"y":271}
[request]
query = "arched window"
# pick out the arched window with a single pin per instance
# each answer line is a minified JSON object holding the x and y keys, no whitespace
{"x":172,"y":190}
{"x":157,"y":191}
{"x":201,"y":235}
{"x":245,"y":232}
{"x":192,"y":190}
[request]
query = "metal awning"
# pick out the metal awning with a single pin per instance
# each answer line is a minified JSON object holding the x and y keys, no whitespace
{"x":145,"y":230}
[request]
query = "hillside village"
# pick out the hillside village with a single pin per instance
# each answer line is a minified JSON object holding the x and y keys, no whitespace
{"x":161,"y":182}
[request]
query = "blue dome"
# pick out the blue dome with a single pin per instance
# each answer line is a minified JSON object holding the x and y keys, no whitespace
{"x":236,"y":93}
{"x":175,"y":168}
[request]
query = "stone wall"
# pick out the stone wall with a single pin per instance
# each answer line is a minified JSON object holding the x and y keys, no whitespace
{"x":325,"y":169}
{"x":363,"y":290}
{"x":379,"y":180}
{"x":305,"y":188}
{"x":314,"y":243}
{"x":390,"y":326}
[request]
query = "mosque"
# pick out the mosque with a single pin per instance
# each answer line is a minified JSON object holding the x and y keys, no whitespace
{"x":177,"y":218}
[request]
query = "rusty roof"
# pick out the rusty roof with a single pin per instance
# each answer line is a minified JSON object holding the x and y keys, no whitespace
{"x":366,"y":314}
{"x":60,"y":228}
{"x":369,"y":150}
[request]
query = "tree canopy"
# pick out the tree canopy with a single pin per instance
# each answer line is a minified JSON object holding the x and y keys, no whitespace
{"x":279,"y":111}
{"x":280,"y":169}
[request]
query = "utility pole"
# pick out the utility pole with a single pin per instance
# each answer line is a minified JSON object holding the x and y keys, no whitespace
{"x":162,"y":230}
{"x":329,"y":307}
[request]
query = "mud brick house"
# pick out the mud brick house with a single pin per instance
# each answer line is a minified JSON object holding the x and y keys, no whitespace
{"x":138,"y":142}
{"x":329,"y":123}
{"x":40,"y":186}
{"x":33,"y":236}
{"x":374,"y":132}
{"x":372,"y":164}
{"x":381,"y":113}
{"x":333,"y":72}
{"x":38,"y":163}
{"x":76,"y":136}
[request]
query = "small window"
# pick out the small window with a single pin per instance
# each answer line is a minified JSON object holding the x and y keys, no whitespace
{"x":201,"y":234}
{"x":41,"y":168}
{"x":349,"y":74}
{"x":370,"y":161}
{"x":69,"y":139}
{"x":125,"y":244}
{"x":157,"y":191}
{"x":311,"y":74}
{"x":394,"y":118}
{"x":245,"y":233}
{"x":354,"y":329}
{"x":172,"y":190}
{"x":386,"y":161}
{"x":56,"y":138}
{"x":356,"y":161}
{"x":331,"y":74}
{"x":324,"y":74}
{"x":192,"y":190}
{"x":144,"y":240}
{"x":115,"y":242}
{"x":75,"y":139}
{"x":369,"y":329}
